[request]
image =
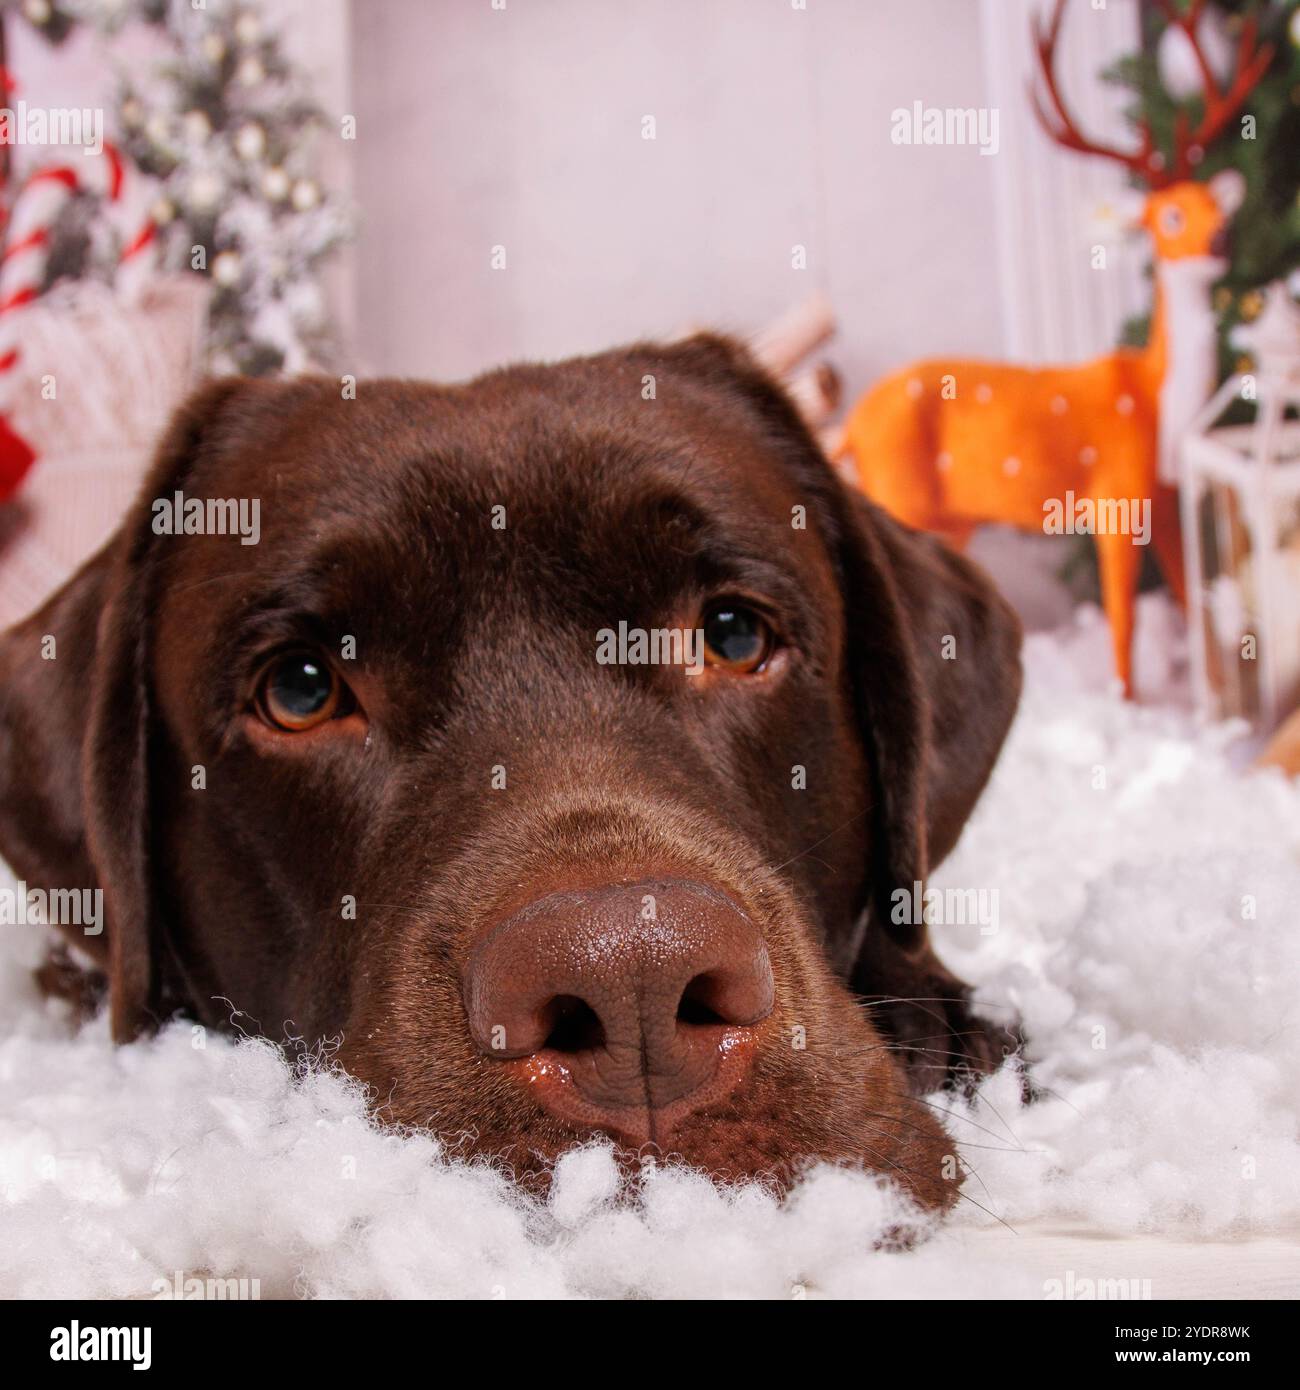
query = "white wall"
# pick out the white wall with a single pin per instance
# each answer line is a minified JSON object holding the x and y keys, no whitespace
{"x":1056,"y":304}
{"x":522,"y":127}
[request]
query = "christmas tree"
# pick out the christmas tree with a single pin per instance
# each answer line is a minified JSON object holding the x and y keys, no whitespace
{"x":224,"y":131}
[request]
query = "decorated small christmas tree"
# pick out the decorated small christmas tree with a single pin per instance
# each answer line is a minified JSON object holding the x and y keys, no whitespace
{"x":224,"y":133}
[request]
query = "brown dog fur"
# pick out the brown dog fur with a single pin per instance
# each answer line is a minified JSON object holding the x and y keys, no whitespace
{"x":475,"y":650}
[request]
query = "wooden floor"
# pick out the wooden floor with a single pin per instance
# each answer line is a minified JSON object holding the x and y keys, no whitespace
{"x":1251,"y":1267}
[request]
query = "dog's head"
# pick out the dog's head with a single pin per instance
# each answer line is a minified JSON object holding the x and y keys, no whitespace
{"x":558,"y":748}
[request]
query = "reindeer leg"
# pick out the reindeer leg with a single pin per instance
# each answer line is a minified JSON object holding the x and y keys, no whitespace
{"x":1167,"y":537}
{"x":1118,"y":561}
{"x":956,"y":534}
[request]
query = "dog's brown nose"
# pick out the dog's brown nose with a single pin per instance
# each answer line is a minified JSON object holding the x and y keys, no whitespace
{"x":633,"y":1004}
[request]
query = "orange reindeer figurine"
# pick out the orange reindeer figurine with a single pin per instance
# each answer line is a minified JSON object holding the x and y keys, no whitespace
{"x":945,"y":445}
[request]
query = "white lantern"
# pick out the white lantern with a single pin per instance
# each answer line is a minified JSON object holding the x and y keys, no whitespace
{"x":1241,"y":529}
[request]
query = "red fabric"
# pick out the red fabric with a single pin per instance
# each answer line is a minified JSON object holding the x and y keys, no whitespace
{"x":16,"y":457}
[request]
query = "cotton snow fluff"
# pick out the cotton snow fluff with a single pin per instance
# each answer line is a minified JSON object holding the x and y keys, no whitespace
{"x":1144,"y":929}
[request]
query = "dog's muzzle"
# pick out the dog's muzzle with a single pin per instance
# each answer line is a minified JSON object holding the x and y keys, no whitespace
{"x":623,"y":1008}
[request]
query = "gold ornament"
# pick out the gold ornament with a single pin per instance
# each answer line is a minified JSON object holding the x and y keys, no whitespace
{"x":204,"y":191}
{"x":196,"y":126}
{"x":250,"y":141}
{"x":275,"y":184}
{"x":248,"y":28}
{"x":226,"y":268}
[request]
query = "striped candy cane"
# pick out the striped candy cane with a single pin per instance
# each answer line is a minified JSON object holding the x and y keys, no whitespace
{"x":25,"y":258}
{"x":22,"y":272}
{"x":44,"y":196}
{"x":27,"y":247}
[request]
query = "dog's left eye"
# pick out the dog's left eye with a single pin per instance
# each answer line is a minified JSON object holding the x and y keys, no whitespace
{"x":736,"y":638}
{"x":298,"y":691}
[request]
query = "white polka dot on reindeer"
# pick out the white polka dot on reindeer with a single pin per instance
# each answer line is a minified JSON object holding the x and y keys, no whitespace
{"x":914,"y":388}
{"x":1125,"y":405}
{"x":983,"y":393}
{"x":1059,"y":405}
{"x":1087,"y":455}
{"x":1011,"y":466}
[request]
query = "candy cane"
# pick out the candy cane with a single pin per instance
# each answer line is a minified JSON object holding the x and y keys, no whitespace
{"x":138,"y":256}
{"x":126,"y":198}
{"x":26,"y":255}
{"x":22,"y":266}
{"x":22,"y":273}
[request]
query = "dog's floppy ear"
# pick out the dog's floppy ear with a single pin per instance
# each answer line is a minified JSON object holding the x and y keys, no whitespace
{"x":74,"y":734}
{"x":935,"y":654}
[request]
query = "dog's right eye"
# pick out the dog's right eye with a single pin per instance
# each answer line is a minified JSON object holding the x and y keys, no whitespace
{"x":736,"y":638}
{"x":298,"y":691}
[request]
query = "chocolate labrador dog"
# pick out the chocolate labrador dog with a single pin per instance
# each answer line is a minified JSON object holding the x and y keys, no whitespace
{"x":558,"y":752}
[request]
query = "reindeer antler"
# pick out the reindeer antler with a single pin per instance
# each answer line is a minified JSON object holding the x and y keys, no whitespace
{"x":1189,"y":146}
{"x":1220,"y":106}
{"x":1145,"y":161}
